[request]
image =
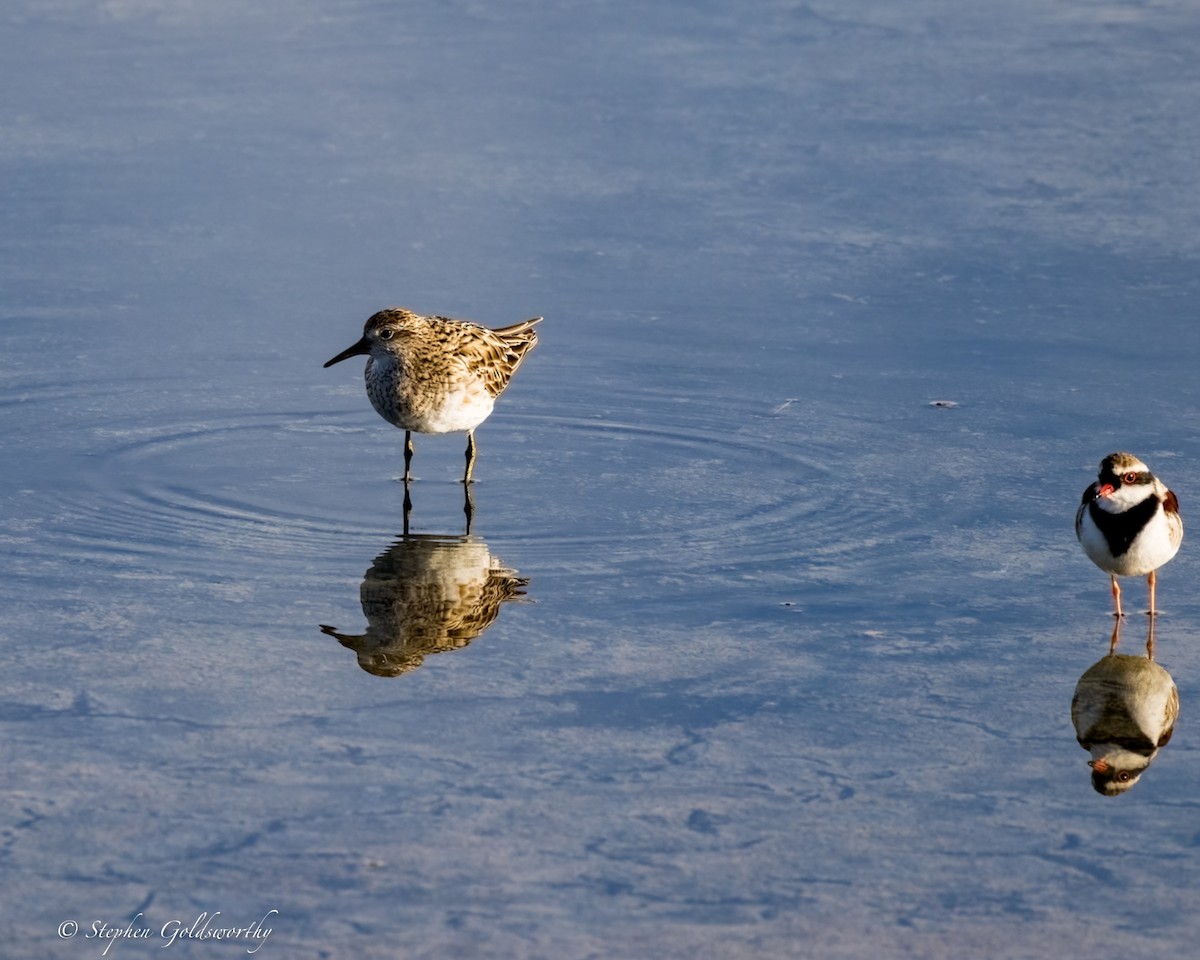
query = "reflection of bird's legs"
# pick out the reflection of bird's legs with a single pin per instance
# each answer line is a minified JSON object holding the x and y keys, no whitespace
{"x":468,"y":506}
{"x":1116,"y":592}
{"x":1152,"y":580}
{"x":470,"y":455}
{"x":1150,"y":641}
{"x":407,"y":506}
{"x":408,"y":454}
{"x":1116,"y":637}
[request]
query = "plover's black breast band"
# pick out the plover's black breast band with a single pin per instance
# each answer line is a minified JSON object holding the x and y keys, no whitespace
{"x":1121,"y":529}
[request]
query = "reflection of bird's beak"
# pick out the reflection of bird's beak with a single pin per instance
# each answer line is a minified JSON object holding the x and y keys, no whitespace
{"x":1103,"y":491}
{"x":1100,"y":766}
{"x":345,"y":639}
{"x":363,"y":346}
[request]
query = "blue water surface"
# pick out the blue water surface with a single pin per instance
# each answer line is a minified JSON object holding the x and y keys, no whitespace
{"x":765,"y":635}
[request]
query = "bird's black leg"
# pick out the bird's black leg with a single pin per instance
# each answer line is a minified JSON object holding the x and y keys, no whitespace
{"x":468,"y":507}
{"x":470,"y":456}
{"x":408,"y":455}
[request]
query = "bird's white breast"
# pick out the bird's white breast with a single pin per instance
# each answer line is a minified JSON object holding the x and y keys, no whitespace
{"x":1150,"y":549}
{"x":411,"y":402}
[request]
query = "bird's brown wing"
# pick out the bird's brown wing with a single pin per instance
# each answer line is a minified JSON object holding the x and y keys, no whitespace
{"x":1170,"y":502}
{"x":1174,"y":520}
{"x":494,"y":355}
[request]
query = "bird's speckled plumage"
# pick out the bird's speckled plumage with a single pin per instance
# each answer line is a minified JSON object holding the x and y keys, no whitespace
{"x":435,"y":374}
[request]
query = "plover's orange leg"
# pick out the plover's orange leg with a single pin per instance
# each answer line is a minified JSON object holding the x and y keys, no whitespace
{"x":408,"y":454}
{"x":1116,"y":592}
{"x":470,"y":455}
{"x":1152,"y":580}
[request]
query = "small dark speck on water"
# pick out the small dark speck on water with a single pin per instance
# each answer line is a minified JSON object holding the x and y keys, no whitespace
{"x":944,"y":404}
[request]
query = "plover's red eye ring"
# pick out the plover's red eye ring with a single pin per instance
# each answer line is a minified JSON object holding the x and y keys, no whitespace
{"x":1130,"y":477}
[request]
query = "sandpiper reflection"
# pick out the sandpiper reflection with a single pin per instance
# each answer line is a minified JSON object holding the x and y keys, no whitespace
{"x":1124,"y":711}
{"x":427,"y":594}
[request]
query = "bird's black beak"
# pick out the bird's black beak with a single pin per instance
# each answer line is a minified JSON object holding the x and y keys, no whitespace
{"x":363,"y":346}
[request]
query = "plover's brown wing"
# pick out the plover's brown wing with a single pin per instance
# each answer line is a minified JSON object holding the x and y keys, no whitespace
{"x":1174,"y":519}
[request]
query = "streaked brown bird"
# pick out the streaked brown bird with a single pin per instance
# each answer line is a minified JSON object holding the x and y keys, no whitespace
{"x":437,"y":375}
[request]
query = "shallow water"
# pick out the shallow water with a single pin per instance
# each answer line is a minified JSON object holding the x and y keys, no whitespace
{"x":765,"y":635}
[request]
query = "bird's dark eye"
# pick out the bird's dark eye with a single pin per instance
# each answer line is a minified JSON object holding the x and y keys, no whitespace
{"x":1130,"y":478}
{"x":387,"y":333}
{"x":1124,"y":776}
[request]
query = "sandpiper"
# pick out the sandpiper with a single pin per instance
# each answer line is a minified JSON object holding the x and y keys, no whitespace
{"x":1128,"y":522}
{"x":437,"y":375}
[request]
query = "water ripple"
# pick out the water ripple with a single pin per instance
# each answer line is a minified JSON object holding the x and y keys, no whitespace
{"x":733,"y":486}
